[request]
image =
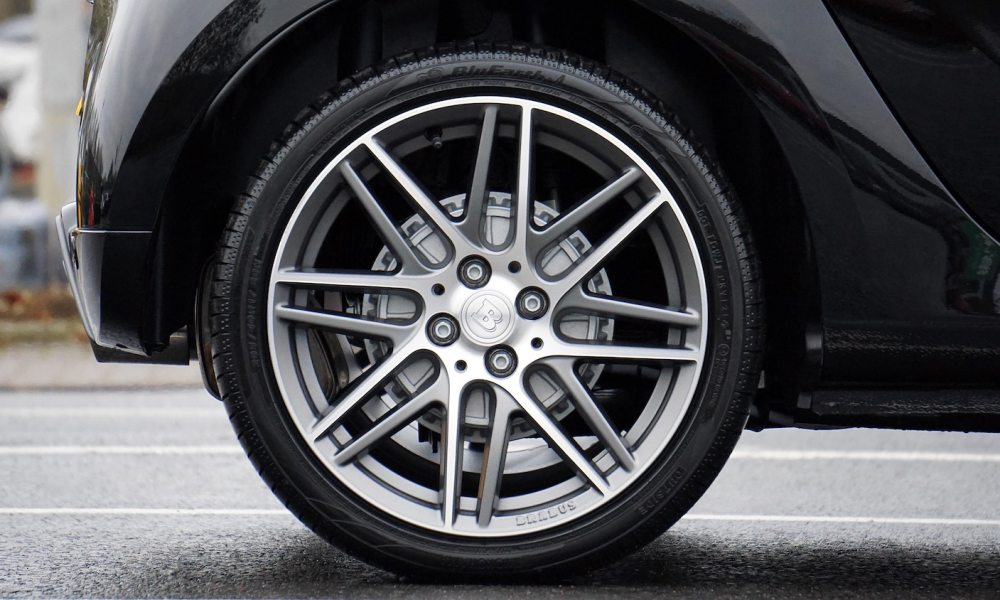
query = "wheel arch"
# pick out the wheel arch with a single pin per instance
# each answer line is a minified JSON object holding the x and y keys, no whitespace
{"x":239,"y":125}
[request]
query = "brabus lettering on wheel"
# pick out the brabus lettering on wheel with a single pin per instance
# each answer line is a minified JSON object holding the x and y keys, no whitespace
{"x":545,"y":515}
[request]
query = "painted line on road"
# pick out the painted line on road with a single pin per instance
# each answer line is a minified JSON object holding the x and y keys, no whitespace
{"x":862,"y":455}
{"x":844,"y":520}
{"x":156,"y":512}
{"x":154,"y":450}
{"x":108,"y":412}
{"x":266,"y":512}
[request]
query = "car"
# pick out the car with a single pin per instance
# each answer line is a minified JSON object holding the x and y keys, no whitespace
{"x":484,"y":284}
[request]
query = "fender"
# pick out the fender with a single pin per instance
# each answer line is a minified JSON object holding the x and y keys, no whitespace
{"x":152,"y":69}
{"x":146,"y":86}
{"x":864,"y":184}
{"x":868,"y":192}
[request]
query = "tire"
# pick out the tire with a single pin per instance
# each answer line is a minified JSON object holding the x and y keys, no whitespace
{"x":284,"y":363}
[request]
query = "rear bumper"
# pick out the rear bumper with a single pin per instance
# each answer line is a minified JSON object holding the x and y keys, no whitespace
{"x":105,"y":272}
{"x":84,"y":288}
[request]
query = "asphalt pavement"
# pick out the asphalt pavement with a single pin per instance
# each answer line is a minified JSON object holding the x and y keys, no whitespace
{"x":146,"y":494}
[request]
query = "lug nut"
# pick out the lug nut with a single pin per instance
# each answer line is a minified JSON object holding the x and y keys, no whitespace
{"x":443,"y":330}
{"x":501,"y":361}
{"x":474,"y":272}
{"x":532,"y":303}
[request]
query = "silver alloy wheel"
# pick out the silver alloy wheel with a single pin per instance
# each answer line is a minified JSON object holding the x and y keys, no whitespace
{"x":445,"y":405}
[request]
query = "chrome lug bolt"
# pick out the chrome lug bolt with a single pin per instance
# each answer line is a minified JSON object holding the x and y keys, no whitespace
{"x":443,"y":330}
{"x":501,"y":361}
{"x":532,"y":303}
{"x":474,"y":272}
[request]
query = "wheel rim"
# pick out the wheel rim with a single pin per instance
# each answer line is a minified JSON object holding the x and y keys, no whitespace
{"x":506,"y":429}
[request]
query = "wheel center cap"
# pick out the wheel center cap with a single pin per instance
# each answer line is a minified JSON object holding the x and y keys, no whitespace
{"x":487,"y":317}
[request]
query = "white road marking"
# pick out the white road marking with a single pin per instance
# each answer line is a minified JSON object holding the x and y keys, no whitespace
{"x":165,"y":512}
{"x":155,"y":450}
{"x":863,"y":455}
{"x":266,"y":512}
{"x":109,"y":412}
{"x":845,"y":520}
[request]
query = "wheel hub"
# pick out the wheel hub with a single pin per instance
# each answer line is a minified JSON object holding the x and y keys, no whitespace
{"x":488,"y":318}
{"x":492,"y":308}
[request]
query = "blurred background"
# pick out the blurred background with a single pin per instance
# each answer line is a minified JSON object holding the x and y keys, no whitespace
{"x":42,"y":47}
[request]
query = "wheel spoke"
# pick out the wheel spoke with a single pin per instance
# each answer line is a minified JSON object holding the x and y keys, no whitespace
{"x":522,"y":193}
{"x":576,"y":298}
{"x":571,"y":221}
{"x":472,"y":223}
{"x":427,"y":206}
{"x":592,"y":413}
{"x":599,"y":253}
{"x":452,"y":451}
{"x":621,"y":352}
{"x":494,"y":458}
{"x":395,"y":419}
{"x":358,"y":280}
{"x":367,"y":328}
{"x":361,"y":390}
{"x":391,"y":234}
{"x":565,"y":446}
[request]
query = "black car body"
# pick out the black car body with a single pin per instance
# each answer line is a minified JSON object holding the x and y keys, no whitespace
{"x":864,"y":132}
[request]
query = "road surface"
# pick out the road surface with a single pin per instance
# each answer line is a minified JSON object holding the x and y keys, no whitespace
{"x":145,"y":494}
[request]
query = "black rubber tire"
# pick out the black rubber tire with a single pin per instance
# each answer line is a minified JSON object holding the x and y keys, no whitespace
{"x":240,"y":350}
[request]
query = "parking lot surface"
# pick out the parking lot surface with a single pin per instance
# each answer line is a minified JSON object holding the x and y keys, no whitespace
{"x":146,"y":494}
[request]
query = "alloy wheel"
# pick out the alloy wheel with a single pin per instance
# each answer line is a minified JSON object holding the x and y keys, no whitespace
{"x":505,"y":360}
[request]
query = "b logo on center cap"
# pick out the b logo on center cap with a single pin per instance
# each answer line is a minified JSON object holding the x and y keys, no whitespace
{"x":488,"y":317}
